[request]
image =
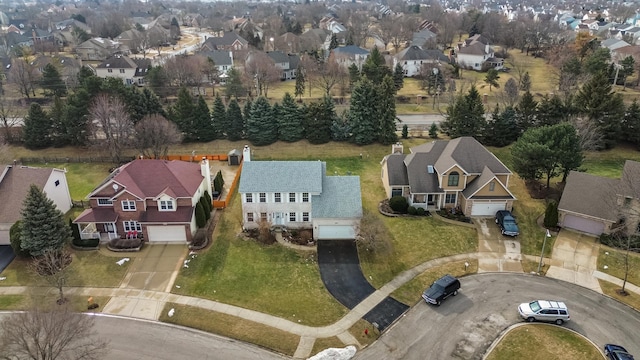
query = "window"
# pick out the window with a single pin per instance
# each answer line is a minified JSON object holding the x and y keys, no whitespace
{"x":109,"y":70}
{"x":249,"y":217}
{"x":166,"y":205}
{"x":305,"y":216}
{"x":305,"y":197}
{"x":277,"y":197}
{"x":121,"y":71}
{"x":105,"y":202}
{"x":396,"y":192}
{"x":454,"y":177}
{"x":248,"y":198}
{"x":132,"y":226}
{"x":57,"y":182}
{"x":263,"y":216}
{"x":450,"y":198}
{"x":292,"y":216}
{"x":128,"y":205}
{"x":492,"y":186}
{"x":263,"y":197}
{"x":292,"y":197}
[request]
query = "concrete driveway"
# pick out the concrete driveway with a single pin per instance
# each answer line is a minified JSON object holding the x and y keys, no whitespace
{"x":574,"y":259}
{"x":504,"y":251}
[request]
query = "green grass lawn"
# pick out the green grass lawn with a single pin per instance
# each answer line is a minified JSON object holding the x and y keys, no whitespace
{"x":541,"y":342}
{"x":81,"y":177}
{"x":614,"y":259}
{"x":29,"y":301}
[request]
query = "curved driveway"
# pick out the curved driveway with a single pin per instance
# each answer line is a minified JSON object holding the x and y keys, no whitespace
{"x":465,"y":325}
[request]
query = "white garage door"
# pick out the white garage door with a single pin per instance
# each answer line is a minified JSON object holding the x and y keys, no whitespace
{"x":582,"y":224}
{"x":166,"y":233}
{"x":487,"y":208}
{"x":327,"y":232}
{"x":4,"y":237}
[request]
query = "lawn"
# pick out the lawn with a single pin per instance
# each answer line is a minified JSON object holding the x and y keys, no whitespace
{"x":28,"y":301}
{"x":81,"y":177}
{"x":541,"y":342}
{"x":614,"y":260}
{"x":610,"y":289}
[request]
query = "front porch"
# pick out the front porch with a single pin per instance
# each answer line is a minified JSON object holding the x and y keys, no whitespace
{"x":429,"y":202}
{"x":97,"y":224}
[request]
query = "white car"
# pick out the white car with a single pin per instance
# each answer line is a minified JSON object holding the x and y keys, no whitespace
{"x":545,"y":310}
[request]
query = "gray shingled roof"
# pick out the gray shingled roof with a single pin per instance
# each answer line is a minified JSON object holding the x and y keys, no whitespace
{"x":590,"y":195}
{"x":278,"y":56}
{"x":14,"y":187}
{"x":476,"y":48}
{"x":470,"y":155}
{"x":340,"y":198}
{"x":118,"y":62}
{"x":219,"y":57}
{"x":281,"y":176}
{"x":351,"y":49}
{"x":395,"y":166}
{"x":477,"y":183}
{"x":421,"y":181}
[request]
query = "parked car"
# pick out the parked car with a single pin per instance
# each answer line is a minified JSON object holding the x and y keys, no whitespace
{"x":507,"y":223}
{"x":441,"y":289}
{"x":616,"y":352}
{"x":545,"y":310}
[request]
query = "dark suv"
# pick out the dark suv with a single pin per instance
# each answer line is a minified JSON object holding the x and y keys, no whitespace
{"x":616,"y":352}
{"x":507,"y":223}
{"x":441,"y":289}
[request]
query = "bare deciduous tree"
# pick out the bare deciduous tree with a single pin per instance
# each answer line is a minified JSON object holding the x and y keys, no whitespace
{"x":8,"y":118}
{"x":328,"y":74}
{"x":261,"y":68}
{"x":186,"y":70}
{"x":373,"y":235}
{"x":50,"y":334}
{"x":359,"y":28}
{"x":590,"y":136}
{"x":397,"y":30}
{"x":154,"y":135}
{"x":53,"y":266}
{"x":24,"y":75}
{"x":112,"y":125}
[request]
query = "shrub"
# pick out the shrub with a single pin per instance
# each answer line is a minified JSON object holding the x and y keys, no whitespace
{"x":125,"y":243}
{"x":411,"y":210}
{"x":264,"y":233}
{"x":620,"y":242}
{"x":405,"y":131}
{"x":398,"y":204}
{"x":86,"y":243}
{"x":75,"y":231}
{"x":218,"y":182}
{"x":200,"y":238}
{"x":205,"y":208}
{"x":551,"y":215}
{"x":15,"y":238}
{"x":420,"y":211}
{"x":209,"y":200}
{"x":201,"y":218}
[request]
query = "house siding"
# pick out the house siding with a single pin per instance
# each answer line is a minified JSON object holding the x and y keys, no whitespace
{"x":498,"y":190}
{"x":444,"y":180}
{"x":58,"y":194}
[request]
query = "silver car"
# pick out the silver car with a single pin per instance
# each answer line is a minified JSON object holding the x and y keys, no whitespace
{"x":545,"y":310}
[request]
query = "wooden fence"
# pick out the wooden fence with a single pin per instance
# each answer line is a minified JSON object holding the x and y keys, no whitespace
{"x":221,"y":204}
{"x":107,"y":159}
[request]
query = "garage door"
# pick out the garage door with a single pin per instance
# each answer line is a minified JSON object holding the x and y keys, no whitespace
{"x":166,"y":233}
{"x":4,"y":237}
{"x":336,"y":232}
{"x":582,"y":224}
{"x":487,"y":208}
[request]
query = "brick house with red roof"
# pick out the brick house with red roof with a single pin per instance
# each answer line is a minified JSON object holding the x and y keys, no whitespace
{"x":151,"y":199}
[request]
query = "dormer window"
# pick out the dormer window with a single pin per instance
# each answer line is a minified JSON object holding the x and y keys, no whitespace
{"x":128,"y":205}
{"x":454,"y":178}
{"x":166,"y":205}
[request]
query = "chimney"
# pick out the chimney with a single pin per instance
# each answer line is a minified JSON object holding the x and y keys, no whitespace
{"x":397,"y":148}
{"x":246,"y":153}
{"x":205,"y":171}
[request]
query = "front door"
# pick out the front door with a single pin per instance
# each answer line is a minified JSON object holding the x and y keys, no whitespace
{"x":278,"y":218}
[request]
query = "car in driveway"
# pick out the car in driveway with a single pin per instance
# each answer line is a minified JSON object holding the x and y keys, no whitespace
{"x":507,"y":223}
{"x":544,"y":310}
{"x":616,"y":352}
{"x":441,"y":289}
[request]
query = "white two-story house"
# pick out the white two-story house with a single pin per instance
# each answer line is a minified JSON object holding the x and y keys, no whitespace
{"x":299,"y":195}
{"x":131,"y":71}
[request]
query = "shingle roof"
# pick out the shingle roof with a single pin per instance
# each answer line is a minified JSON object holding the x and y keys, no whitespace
{"x":227,"y":39}
{"x":397,"y":174}
{"x":278,"y":56}
{"x":117,"y":62}
{"x":598,"y":203}
{"x":219,"y":57}
{"x":476,"y":48}
{"x":351,"y":49}
{"x":281,"y":176}
{"x":414,"y":52}
{"x":482,"y":180}
{"x":417,"y":165}
{"x":340,"y":198}
{"x":468,"y":153}
{"x":15,"y":182}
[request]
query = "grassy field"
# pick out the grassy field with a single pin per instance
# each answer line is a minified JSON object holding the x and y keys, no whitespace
{"x":541,"y":342}
{"x":29,"y":301}
{"x":614,"y":259}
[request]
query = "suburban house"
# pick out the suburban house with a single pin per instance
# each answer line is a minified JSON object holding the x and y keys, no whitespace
{"x":314,"y":39}
{"x":349,"y":55}
{"x":448,"y":174}
{"x":287,"y":63}
{"x":270,"y":190}
{"x":596,"y":205}
{"x":475,"y":53}
{"x":613,"y":44}
{"x":97,"y":49}
{"x":153,"y":199}
{"x":68,"y":67}
{"x":15,"y":181}
{"x":13,"y":40}
{"x":287,"y":41}
{"x":223,"y":61}
{"x":131,"y":71}
{"x":227,"y":40}
{"x":424,"y":38}
{"x":414,"y":58}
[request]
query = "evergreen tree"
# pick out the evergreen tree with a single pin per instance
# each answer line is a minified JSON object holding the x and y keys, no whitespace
{"x":501,"y":129}
{"x":375,"y":67}
{"x":234,"y":85}
{"x":363,"y":113}
{"x":182,"y":113}
{"x":36,"y":131}
{"x":433,"y":131}
{"x":492,"y":78}
{"x":319,"y":119}
{"x":405,"y":131}
{"x":76,"y":117}
{"x":334,"y":42}
{"x":234,"y":116}
{"x":525,"y":82}
{"x":465,"y":117}
{"x":386,"y":106}
{"x":58,"y":128}
{"x":526,"y":110}
{"x":550,"y":111}
{"x":551,"y":215}
{"x":354,"y":75}
{"x":262,"y":127}
{"x":300,"y":80}
{"x":341,"y":128}
{"x":201,"y":217}
{"x":203,"y":128}
{"x":158,"y":81}
{"x":43,"y":225}
{"x":631,"y":123}
{"x":221,"y":123}
{"x":290,"y":126}
{"x":149,"y":104}
{"x":52,"y":81}
{"x":603,"y":107}
{"x":398,"y":77}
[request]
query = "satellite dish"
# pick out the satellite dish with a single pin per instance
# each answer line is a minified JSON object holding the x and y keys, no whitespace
{"x":115,"y":187}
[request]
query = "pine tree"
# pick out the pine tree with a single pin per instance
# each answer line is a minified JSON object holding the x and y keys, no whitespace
{"x":201,"y":217}
{"x":290,"y":126}
{"x":631,"y":123}
{"x":386,"y":106}
{"x":234,"y":115}
{"x":246,"y":112}
{"x":149,"y":104}
{"x":262,"y":127}
{"x":375,"y":67}
{"x":300,"y":80}
{"x":433,"y":131}
{"x":221,"y":123}
{"x":550,"y":111}
{"x":58,"y":128}
{"x":183,"y":114}
{"x":234,"y":85}
{"x":334,"y":42}
{"x":501,"y":129}
{"x":465,"y":117}
{"x":525,"y":82}
{"x":492,"y":78}
{"x":341,"y":128}
{"x":363,"y":113}
{"x":398,"y":77}
{"x":43,"y":225}
{"x":319,"y":119}
{"x":551,"y":215}
{"x":405,"y":131}
{"x":52,"y":81}
{"x":203,"y":128}
{"x":157,"y":79}
{"x":354,"y":75}
{"x":76,"y":117}
{"x":526,"y":110}
{"x":36,"y":131}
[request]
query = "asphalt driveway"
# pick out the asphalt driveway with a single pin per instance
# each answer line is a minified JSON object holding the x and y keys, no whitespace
{"x":6,"y":256}
{"x":342,"y":276}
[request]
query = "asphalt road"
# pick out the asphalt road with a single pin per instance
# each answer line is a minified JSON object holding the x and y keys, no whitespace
{"x":422,"y":121}
{"x":465,"y":325}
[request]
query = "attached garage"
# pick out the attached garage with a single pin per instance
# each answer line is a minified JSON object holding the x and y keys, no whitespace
{"x":333,"y":232}
{"x":589,"y":226}
{"x":166,"y":233}
{"x":488,"y":209}
{"x":4,"y":237}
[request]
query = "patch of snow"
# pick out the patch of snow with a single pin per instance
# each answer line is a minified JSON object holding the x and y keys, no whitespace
{"x":122,"y":261}
{"x":335,"y":354}
{"x":171,"y":312}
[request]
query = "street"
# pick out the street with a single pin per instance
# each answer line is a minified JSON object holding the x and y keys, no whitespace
{"x":418,"y":121}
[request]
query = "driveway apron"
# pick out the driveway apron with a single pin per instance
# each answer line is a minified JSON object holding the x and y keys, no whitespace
{"x":342,"y":276}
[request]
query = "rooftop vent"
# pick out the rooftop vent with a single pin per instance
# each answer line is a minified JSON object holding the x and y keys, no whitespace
{"x":430,"y":169}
